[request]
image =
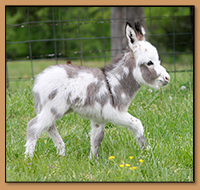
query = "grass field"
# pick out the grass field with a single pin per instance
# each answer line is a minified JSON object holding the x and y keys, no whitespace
{"x":167,"y":116}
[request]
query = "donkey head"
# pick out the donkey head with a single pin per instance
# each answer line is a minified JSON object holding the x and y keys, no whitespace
{"x":147,"y":69}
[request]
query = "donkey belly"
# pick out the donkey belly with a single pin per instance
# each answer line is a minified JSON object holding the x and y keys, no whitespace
{"x":93,"y":113}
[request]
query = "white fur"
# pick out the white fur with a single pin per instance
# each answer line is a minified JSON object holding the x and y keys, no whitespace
{"x":126,"y":70}
{"x":123,"y":96}
{"x":91,"y":93}
{"x":113,"y":80}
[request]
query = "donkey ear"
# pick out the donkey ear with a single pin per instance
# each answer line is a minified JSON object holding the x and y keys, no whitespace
{"x":140,"y":31}
{"x":130,"y":34}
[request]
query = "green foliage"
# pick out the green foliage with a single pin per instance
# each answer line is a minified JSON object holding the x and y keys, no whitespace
{"x":73,"y":26}
{"x":71,"y":23}
{"x":170,"y":24}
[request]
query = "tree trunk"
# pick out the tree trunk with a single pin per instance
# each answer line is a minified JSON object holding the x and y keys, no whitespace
{"x":119,"y":16}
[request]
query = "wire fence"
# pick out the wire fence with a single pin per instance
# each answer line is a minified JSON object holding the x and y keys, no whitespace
{"x":78,"y":35}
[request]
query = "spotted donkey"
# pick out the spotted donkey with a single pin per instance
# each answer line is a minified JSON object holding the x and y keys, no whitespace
{"x":101,"y":95}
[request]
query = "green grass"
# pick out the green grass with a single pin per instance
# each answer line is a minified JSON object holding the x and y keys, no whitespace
{"x":167,"y":116}
{"x":20,"y":72}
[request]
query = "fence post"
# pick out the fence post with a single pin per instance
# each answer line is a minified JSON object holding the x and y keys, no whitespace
{"x":174,"y":44}
{"x":79,"y":35}
{"x":104,"y":45}
{"x":7,"y":78}
{"x":54,"y":33}
{"x":30,"y":47}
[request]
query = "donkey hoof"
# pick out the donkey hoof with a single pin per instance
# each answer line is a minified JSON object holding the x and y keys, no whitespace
{"x":142,"y":142}
{"x":28,"y":155}
{"x":61,"y":152}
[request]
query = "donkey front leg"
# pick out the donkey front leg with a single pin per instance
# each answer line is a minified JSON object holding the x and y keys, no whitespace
{"x":97,"y":134}
{"x":133,"y":124}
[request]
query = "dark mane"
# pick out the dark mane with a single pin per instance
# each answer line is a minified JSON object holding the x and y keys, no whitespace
{"x":114,"y":61}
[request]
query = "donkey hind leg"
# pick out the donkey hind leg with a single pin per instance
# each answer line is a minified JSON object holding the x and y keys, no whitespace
{"x":36,"y":126}
{"x":59,"y":144}
{"x":97,"y":134}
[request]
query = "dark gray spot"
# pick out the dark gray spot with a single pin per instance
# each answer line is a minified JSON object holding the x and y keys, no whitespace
{"x":72,"y":101}
{"x":92,"y":94}
{"x":97,"y":143}
{"x":127,"y":60}
{"x":100,"y":75}
{"x":73,"y":70}
{"x":99,"y":138}
{"x":92,"y":90}
{"x":127,"y":85}
{"x":32,"y":121}
{"x":38,"y":105}
{"x":31,"y":133}
{"x":53,"y":94}
{"x":69,"y":98}
{"x":142,"y":142}
{"x":148,"y":73}
{"x":103,"y":99}
{"x":54,"y":111}
{"x":76,"y":100}
{"x":52,"y":128}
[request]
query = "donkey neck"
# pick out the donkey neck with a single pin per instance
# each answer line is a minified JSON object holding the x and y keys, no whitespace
{"x":121,"y":81}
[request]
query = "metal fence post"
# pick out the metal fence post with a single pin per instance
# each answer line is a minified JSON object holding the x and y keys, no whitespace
{"x":79,"y":35}
{"x":30,"y":47}
{"x":104,"y":45}
{"x":174,"y":44}
{"x":7,"y":78}
{"x":54,"y":33}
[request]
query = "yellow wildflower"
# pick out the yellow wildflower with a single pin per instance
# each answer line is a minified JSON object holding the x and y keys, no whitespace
{"x":121,"y":165}
{"x":127,"y":165}
{"x":141,"y":161}
{"x":111,"y":157}
{"x":132,"y":168}
{"x":131,"y":157}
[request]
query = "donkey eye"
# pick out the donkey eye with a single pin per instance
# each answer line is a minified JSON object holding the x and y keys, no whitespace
{"x":150,"y":63}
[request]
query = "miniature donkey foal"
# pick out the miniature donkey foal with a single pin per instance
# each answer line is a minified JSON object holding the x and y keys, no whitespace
{"x":101,"y":95}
